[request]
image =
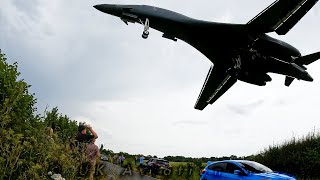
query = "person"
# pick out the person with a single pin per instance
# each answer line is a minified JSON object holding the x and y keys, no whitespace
{"x":82,"y":138}
{"x":135,"y":160}
{"x":92,"y":152}
{"x":141,"y":159}
{"x":49,"y":133}
{"x":83,"y":141}
{"x":82,"y":135}
{"x":115,"y":159}
{"x":121,"y":160}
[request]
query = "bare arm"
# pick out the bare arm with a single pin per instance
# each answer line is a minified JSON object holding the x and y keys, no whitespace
{"x":93,"y":132}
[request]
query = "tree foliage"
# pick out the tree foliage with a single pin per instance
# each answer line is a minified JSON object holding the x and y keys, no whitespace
{"x":27,"y":151}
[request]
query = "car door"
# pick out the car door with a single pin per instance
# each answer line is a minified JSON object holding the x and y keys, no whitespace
{"x":224,"y":171}
{"x":229,"y":173}
{"x":215,"y":171}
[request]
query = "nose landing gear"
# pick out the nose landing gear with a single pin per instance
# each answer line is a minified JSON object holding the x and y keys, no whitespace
{"x":145,"y":32}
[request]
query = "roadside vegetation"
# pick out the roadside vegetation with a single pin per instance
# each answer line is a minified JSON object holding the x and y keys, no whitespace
{"x":29,"y":151}
{"x":299,"y":157}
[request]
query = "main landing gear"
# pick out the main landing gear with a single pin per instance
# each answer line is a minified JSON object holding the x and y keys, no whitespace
{"x":145,"y":32}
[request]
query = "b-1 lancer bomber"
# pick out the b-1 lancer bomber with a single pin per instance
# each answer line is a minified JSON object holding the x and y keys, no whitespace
{"x":238,"y":51}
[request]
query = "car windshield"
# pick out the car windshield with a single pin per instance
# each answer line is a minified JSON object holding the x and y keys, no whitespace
{"x":254,"y":167}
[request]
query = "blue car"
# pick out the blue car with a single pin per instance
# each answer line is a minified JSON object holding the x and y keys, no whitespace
{"x":242,"y":170}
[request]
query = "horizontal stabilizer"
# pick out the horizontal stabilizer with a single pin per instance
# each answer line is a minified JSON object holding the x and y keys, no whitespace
{"x":288,"y":80}
{"x":301,"y":61}
{"x":308,"y":59}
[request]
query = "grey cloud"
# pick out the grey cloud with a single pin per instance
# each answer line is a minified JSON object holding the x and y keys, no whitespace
{"x":20,"y":15}
{"x":245,"y":109}
{"x":280,"y":102}
{"x":29,"y":8}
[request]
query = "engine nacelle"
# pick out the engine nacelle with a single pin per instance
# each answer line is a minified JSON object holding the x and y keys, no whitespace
{"x":259,"y":79}
{"x":253,"y":81}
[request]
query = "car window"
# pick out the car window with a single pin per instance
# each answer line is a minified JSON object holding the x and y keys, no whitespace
{"x":254,"y":167}
{"x":163,"y":161}
{"x":231,"y":168}
{"x":220,"y":167}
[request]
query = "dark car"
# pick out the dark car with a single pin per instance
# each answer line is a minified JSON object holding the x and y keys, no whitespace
{"x":155,"y":166}
{"x":158,"y":162}
{"x":242,"y":170}
{"x":104,"y":157}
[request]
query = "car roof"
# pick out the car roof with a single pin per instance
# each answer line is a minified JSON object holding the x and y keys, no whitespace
{"x":159,"y":159}
{"x":231,"y":161}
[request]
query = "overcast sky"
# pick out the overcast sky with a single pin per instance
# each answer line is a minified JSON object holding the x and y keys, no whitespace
{"x":139,"y":94}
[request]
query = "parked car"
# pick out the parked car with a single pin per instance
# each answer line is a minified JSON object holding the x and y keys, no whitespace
{"x":242,"y":170}
{"x":104,"y":157}
{"x":155,"y":166}
{"x":158,"y":163}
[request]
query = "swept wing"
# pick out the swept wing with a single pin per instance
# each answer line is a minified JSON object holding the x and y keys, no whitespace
{"x":281,"y":16}
{"x":215,"y":85}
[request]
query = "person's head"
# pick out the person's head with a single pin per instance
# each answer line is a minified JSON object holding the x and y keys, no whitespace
{"x":49,"y":131}
{"x":82,"y":129}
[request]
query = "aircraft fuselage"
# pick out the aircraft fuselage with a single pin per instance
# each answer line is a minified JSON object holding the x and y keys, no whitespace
{"x":246,"y":54}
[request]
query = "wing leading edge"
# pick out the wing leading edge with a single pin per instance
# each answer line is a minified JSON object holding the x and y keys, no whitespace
{"x":281,"y":16}
{"x":215,"y":85}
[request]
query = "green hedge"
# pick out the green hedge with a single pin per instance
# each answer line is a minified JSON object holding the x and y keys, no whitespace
{"x":299,"y":157}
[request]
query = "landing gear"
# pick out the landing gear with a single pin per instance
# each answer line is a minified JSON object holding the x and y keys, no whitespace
{"x":145,"y":32}
{"x":237,"y":62}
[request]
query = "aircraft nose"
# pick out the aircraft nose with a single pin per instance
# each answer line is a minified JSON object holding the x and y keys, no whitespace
{"x":98,"y":7}
{"x":109,"y":9}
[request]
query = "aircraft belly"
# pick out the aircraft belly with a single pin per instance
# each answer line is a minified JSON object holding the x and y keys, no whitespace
{"x":215,"y":46}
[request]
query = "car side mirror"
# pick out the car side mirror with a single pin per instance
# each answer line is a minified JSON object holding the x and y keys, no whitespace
{"x":239,"y":173}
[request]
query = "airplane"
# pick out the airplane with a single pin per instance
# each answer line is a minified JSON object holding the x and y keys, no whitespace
{"x":238,"y":51}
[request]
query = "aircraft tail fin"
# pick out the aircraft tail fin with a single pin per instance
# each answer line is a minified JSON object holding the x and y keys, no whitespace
{"x":301,"y":61}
